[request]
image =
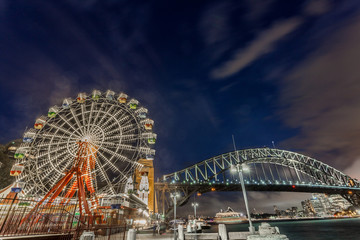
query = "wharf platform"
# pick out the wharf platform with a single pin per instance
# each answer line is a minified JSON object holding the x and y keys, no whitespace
{"x":193,"y":236}
{"x":266,"y":232}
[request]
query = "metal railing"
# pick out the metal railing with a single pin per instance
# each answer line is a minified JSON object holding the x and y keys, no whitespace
{"x":57,"y":219}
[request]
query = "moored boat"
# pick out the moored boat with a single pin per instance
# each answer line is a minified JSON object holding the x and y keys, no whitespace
{"x":229,"y":217}
{"x":205,"y":225}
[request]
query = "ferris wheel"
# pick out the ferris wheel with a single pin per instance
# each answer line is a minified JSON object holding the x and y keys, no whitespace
{"x":117,"y":128}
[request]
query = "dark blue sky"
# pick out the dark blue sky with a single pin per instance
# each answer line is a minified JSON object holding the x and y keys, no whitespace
{"x":283,"y":71}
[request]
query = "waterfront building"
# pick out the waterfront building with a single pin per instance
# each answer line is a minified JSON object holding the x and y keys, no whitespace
{"x":320,"y":204}
{"x":276,"y":210}
{"x":144,"y":180}
{"x":323,"y":205}
{"x":129,"y":187}
{"x":337,"y":203}
{"x":143,"y":190}
{"x":308,"y":208}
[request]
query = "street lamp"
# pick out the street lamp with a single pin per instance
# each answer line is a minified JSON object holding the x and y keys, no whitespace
{"x":195,"y":205}
{"x":239,"y":168}
{"x":174,"y":196}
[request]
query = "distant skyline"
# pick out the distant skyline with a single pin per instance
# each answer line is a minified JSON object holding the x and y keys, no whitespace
{"x":282,"y":71}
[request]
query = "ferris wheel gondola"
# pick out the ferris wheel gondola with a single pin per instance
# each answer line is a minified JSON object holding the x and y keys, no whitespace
{"x":117,"y":129}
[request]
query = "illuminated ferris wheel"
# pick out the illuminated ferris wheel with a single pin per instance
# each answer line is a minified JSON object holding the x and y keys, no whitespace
{"x":117,"y":129}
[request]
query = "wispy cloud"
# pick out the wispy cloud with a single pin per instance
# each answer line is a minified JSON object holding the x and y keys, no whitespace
{"x":214,"y":24}
{"x":263,"y":44}
{"x":257,"y":8}
{"x":317,"y":7}
{"x":353,"y":170}
{"x":320,"y":97}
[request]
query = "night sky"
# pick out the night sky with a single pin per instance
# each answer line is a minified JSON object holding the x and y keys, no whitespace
{"x":282,"y":71}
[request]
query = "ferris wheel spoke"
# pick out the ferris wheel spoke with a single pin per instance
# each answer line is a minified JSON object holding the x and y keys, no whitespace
{"x":121,"y":121}
{"x":68,"y":160}
{"x":83,"y":117}
{"x":48,"y":136}
{"x":98,"y":117}
{"x":121,"y":157}
{"x":90,"y":116}
{"x":97,"y":114}
{"x":60,"y":128}
{"x":46,"y":163}
{"x":76,"y":120}
{"x":122,"y":137}
{"x":116,"y":141}
{"x":70,"y":125}
{"x":105,"y":176}
{"x":106,"y":114}
{"x":112,"y":166}
{"x":119,"y":146}
{"x":55,"y":177}
{"x":115,"y":131}
{"x":123,"y":128}
{"x":115,"y":116}
{"x":39,"y":156}
{"x":128,"y":127}
{"x":54,"y":143}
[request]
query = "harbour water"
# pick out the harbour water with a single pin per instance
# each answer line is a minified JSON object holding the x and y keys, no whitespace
{"x":339,"y":229}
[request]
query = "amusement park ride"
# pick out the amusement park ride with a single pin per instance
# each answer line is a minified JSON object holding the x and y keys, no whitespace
{"x":88,"y":148}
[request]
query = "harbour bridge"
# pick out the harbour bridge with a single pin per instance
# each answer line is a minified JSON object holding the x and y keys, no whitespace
{"x":264,"y":169}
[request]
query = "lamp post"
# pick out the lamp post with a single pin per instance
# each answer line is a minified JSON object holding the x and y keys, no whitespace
{"x":174,"y":196}
{"x":195,"y":205}
{"x":239,"y":169}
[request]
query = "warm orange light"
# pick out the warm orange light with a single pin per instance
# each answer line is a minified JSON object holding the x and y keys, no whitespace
{"x":198,"y":194}
{"x":213,"y":189}
{"x":351,"y":182}
{"x":350,"y":192}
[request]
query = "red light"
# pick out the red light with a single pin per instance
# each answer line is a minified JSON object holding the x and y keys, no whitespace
{"x":293,"y":186}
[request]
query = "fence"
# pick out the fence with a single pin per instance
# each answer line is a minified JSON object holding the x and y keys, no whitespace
{"x":19,"y":218}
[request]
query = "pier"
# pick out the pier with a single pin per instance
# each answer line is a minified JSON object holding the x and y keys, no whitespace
{"x":265,"y":232}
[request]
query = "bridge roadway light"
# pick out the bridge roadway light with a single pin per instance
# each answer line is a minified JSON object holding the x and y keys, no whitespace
{"x":245,"y":168}
{"x":174,"y":196}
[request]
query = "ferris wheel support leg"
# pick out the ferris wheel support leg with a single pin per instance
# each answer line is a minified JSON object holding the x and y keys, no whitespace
{"x":66,"y":200}
{"x":61,"y":187}
{"x":82,"y":198}
{"x":69,"y":194}
{"x":79,"y":197}
{"x":82,"y":192}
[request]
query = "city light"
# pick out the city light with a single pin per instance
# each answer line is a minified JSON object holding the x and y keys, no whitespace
{"x":195,"y":205}
{"x":174,"y":196}
{"x":245,"y":168}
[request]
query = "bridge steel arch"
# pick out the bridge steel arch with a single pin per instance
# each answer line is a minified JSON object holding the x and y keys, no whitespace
{"x":307,"y":175}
